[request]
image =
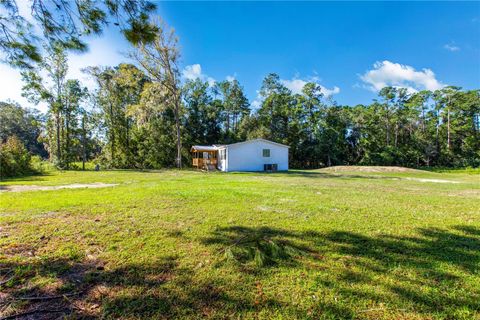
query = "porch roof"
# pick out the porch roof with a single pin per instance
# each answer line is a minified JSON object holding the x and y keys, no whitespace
{"x":203,"y":148}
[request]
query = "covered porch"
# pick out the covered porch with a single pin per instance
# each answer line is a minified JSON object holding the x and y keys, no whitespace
{"x":204,"y":157}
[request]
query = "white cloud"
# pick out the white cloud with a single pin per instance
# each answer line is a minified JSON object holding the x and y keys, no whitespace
{"x":257,"y":102}
{"x":230,"y":78}
{"x":388,"y":73}
{"x":296,"y":86}
{"x":330,"y":92}
{"x":451,"y":47}
{"x":194,"y":71}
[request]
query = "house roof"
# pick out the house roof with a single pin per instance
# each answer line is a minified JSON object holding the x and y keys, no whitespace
{"x":217,"y":147}
{"x":259,"y":139}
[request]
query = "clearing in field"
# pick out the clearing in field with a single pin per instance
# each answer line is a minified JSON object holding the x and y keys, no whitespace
{"x":323,"y":244}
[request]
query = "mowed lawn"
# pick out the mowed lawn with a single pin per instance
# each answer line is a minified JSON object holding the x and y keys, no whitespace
{"x":297,"y":245}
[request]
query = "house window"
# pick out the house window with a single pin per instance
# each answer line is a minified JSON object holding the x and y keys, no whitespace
{"x":266,"y":153}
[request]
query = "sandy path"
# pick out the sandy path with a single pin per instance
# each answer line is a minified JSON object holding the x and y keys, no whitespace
{"x":21,"y":188}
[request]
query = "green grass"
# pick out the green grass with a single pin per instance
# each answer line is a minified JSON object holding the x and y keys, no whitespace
{"x":297,"y":245}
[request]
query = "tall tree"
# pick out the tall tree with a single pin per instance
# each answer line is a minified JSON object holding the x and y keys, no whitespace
{"x":160,"y":60}
{"x":275,"y":110}
{"x":51,"y":91}
{"x":73,"y":95}
{"x":203,"y":114}
{"x":119,"y":89}
{"x":155,"y":133}
{"x":235,"y":106}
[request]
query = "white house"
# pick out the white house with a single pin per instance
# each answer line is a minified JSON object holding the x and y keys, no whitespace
{"x":251,"y":155}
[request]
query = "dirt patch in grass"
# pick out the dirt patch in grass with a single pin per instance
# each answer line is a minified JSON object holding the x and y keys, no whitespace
{"x":378,"y":169}
{"x":432,"y":180}
{"x":465,"y":193}
{"x":22,"y":188}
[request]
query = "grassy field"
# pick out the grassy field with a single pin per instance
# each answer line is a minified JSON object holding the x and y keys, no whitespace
{"x":328,"y":244}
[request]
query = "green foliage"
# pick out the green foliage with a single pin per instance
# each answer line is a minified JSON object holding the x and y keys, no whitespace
{"x":204,"y":116}
{"x":39,"y":165}
{"x":67,"y":23}
{"x":146,"y":119}
{"x":400,"y":129}
{"x":25,"y":124}
{"x":234,"y":107}
{"x":139,"y":121}
{"x":139,"y":117}
{"x":420,"y":129}
{"x":14,"y":158}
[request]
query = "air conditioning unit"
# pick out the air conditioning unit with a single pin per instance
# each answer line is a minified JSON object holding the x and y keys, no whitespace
{"x":270,"y":167}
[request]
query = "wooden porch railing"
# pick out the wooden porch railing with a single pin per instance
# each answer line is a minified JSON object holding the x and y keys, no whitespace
{"x":200,"y":162}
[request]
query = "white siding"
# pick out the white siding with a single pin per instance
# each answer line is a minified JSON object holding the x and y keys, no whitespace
{"x":222,"y":163}
{"x":248,"y":156}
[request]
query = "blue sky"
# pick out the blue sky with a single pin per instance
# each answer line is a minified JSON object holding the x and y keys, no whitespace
{"x":349,"y":48}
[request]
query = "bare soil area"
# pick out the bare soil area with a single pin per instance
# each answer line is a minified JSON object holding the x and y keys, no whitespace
{"x":372,"y":169}
{"x":432,"y":180}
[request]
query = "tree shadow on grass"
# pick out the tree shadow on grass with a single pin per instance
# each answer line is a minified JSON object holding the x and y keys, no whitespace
{"x":28,"y":178}
{"x":58,"y":288}
{"x":264,"y":246}
{"x":431,"y":273}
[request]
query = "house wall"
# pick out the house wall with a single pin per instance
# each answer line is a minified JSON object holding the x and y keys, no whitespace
{"x":249,"y":156}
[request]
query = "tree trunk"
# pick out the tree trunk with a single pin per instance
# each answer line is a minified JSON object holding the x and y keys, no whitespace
{"x":388,"y":134}
{"x":234,"y":122}
{"x":177,"y":125}
{"x":437,"y":141}
{"x":448,"y":128}
{"x":227,"y":129}
{"x":387,"y":125}
{"x":84,"y":142}
{"x":128,"y":142}
{"x":112,"y":134}
{"x":57,"y":125}
{"x":423,"y":119}
{"x":396,"y":135}
{"x":67,"y":140}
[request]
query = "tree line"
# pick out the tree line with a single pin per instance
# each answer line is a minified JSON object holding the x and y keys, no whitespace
{"x":143,"y":115}
{"x":133,"y":122}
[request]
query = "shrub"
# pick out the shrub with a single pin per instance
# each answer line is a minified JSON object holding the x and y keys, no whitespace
{"x":14,"y":158}
{"x":39,"y":165}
